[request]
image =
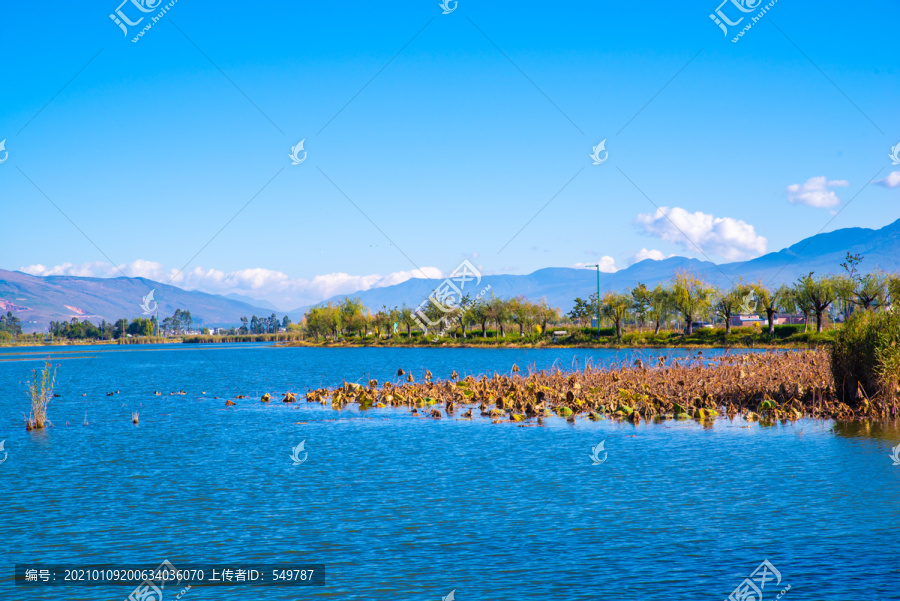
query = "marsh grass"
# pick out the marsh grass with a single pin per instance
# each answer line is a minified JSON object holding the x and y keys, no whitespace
{"x":865,"y":357}
{"x":765,"y":387}
{"x":41,"y":393}
{"x":146,"y":340}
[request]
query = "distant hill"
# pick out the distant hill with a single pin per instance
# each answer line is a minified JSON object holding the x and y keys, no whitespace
{"x":559,"y":285}
{"x":822,"y":254}
{"x":38,"y":300}
{"x":253,"y":301}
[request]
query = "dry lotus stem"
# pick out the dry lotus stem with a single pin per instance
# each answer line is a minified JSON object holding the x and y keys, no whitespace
{"x":769,"y":386}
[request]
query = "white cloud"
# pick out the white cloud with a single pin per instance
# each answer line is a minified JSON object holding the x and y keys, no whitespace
{"x":84,"y":270}
{"x":891,"y":181}
{"x":607,"y":264}
{"x":275,"y":286}
{"x":730,"y":238}
{"x":656,"y":255}
{"x":816,"y":192}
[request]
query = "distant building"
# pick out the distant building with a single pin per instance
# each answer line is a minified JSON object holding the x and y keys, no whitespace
{"x":788,"y":319}
{"x":778,"y":319}
{"x":746,"y":320}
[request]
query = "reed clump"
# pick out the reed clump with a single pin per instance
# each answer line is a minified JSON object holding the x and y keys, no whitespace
{"x":145,"y":340}
{"x":865,"y":357}
{"x":765,"y":387}
{"x":41,"y":391}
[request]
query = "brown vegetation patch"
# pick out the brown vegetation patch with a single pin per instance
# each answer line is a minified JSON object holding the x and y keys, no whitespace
{"x":768,"y":386}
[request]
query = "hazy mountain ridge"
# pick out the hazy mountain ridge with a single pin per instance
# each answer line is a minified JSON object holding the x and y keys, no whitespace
{"x":52,"y":298}
{"x":822,"y":253}
{"x":38,"y":300}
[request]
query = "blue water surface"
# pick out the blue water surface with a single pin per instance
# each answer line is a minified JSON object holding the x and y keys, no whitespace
{"x":403,"y":507}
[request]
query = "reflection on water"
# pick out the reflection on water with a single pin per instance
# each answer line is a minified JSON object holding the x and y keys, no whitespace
{"x":883,"y":430}
{"x":401,"y":507}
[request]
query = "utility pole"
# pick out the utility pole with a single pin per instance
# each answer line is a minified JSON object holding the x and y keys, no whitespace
{"x":598,"y":296}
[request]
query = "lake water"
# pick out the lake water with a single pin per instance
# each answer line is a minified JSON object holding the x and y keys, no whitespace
{"x":400,"y":507}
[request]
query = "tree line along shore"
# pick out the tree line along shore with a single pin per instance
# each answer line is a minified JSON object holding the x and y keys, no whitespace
{"x":687,"y":311}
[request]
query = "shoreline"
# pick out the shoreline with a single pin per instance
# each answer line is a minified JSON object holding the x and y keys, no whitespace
{"x":789,"y":346}
{"x":510,"y":345}
{"x":739,"y":338}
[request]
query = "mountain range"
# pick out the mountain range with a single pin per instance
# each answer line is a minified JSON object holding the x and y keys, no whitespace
{"x":38,"y":300}
{"x":822,"y":253}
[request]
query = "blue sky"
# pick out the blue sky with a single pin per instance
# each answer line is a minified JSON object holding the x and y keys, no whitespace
{"x":432,"y":138}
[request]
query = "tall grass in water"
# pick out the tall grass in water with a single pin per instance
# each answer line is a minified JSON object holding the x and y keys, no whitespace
{"x":865,"y":358}
{"x":146,"y":340}
{"x":41,"y":393}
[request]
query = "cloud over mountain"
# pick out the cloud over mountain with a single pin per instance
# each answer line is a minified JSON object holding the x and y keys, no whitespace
{"x":726,"y":237}
{"x":607,"y":264}
{"x":259,"y":282}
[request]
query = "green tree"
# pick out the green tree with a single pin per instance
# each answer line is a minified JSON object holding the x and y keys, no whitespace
{"x":892,"y":284}
{"x":844,"y":294}
{"x":733,"y":301}
{"x":641,"y":303}
{"x":481,"y":314}
{"x":353,"y":316}
{"x":463,"y":314}
{"x":546,"y":313}
{"x":10,"y":323}
{"x":614,"y":307}
{"x":407,"y":320}
{"x":121,"y":328}
{"x":498,"y":312}
{"x":521,"y":312}
{"x":691,"y":296}
{"x":871,"y":290}
{"x":769,"y":300}
{"x":382,"y":322}
{"x":660,"y":306}
{"x":815,"y":294}
{"x":140,"y":326}
{"x":581,"y":312}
